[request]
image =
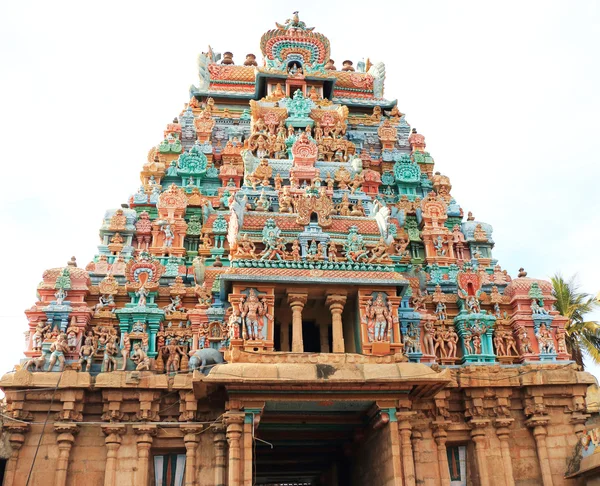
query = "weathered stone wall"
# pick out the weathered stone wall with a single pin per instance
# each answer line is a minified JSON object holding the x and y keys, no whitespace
{"x":373,"y":464}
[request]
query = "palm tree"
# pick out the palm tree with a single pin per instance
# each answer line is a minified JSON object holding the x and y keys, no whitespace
{"x":583,"y":336}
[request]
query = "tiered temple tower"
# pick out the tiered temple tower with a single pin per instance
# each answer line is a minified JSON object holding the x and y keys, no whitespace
{"x":291,"y":222}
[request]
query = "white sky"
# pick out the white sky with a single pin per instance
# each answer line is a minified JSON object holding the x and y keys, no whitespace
{"x":506,"y":93}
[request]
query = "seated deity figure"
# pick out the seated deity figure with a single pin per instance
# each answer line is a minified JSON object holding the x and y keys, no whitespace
{"x":252,"y":311}
{"x":285,"y":201}
{"x":262,"y":203}
{"x":262,"y":174}
{"x":537,"y":309}
{"x":140,"y":358}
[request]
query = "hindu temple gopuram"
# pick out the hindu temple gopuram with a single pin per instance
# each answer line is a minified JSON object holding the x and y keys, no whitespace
{"x":292,"y":296}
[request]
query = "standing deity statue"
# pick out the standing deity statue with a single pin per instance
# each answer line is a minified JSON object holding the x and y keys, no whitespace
{"x":440,"y":311}
{"x":38,"y":336}
{"x":379,"y":317}
{"x":86,"y":354}
{"x":252,"y":312}
{"x":499,"y":342}
{"x":525,"y":341}
{"x":439,"y":343}
{"x":109,"y":361}
{"x":169,"y":236}
{"x":467,"y":338}
{"x":428,"y":338}
{"x":452,"y":341}
{"x":57,"y":352}
{"x":142,"y":294}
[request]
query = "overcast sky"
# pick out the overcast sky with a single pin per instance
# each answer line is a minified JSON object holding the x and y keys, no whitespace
{"x":506,"y":94}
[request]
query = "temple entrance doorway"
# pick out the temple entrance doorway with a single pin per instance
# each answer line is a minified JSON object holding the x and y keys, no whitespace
{"x":306,"y":443}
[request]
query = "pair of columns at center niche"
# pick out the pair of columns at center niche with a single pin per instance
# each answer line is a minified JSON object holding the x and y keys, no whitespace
{"x":297,"y":299}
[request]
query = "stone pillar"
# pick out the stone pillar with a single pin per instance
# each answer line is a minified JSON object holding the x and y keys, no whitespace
{"x":219,"y":448}
{"x":66,"y":436}
{"x":478,"y":427}
{"x":235,"y":423}
{"x":417,"y":437}
{"x":408,"y":465}
{"x":324,"y":337}
{"x":502,"y":425}
{"x":538,"y":424}
{"x":285,"y":336}
{"x":190,"y":439}
{"x":336,"y":303}
{"x":16,"y":439}
{"x":145,"y":434}
{"x":297,"y":302}
{"x":440,"y":435}
{"x":112,"y":440}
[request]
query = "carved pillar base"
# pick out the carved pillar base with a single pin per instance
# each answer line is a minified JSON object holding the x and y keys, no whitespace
{"x":538,"y":424}
{"x":190,"y":439}
{"x":478,"y":428}
{"x":408,"y":465}
{"x":219,"y":447}
{"x":113,"y":434}
{"x":503,"y":433}
{"x":16,"y":439}
{"x":297,"y":302}
{"x":440,"y":435}
{"x":336,"y":303}
{"x":145,"y":435}
{"x":66,"y":436}
{"x":234,"y":422}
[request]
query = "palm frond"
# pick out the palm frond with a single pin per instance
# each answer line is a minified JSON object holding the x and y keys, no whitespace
{"x":583,"y":336}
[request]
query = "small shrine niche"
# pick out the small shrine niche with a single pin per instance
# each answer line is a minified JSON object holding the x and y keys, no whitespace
{"x":251,"y":318}
{"x":379,"y":324}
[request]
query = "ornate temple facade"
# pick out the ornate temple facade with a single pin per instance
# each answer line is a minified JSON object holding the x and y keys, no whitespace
{"x":293,"y":296}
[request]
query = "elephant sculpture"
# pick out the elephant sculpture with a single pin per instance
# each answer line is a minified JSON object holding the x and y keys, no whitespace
{"x":202,"y":357}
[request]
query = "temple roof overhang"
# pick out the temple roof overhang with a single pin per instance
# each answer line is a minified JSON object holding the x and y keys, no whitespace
{"x":343,"y":376}
{"x":312,"y":277}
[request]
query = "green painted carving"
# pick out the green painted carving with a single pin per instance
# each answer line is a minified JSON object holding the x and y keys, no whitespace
{"x":193,"y":162}
{"x":535,"y":292}
{"x":412,"y":228}
{"x":64,"y":280}
{"x":405,"y":170}
{"x":194,"y":226}
{"x":220,"y":225}
{"x":171,"y":145}
{"x":299,"y":106}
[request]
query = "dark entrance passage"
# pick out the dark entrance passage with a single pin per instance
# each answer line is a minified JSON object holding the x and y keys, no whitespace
{"x":311,"y":338}
{"x":308,"y":443}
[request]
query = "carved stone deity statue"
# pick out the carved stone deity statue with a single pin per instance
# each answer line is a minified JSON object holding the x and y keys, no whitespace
{"x":140,"y":358}
{"x":86,"y":354}
{"x":379,"y":317}
{"x":57,"y":352}
{"x":252,"y":311}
